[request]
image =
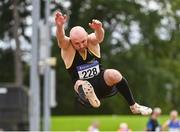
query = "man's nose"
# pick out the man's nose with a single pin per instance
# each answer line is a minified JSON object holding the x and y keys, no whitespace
{"x":81,"y":46}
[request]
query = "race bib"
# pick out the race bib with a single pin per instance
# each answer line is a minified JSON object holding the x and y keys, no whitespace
{"x":87,"y":71}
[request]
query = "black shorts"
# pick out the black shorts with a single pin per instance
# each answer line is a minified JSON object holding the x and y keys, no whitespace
{"x":101,"y":89}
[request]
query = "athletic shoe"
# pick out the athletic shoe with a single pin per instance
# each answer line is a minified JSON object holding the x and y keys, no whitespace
{"x":90,"y":95}
{"x":140,"y":109}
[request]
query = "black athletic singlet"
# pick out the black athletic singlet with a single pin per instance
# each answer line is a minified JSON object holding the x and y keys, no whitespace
{"x":85,"y":69}
{"x":91,"y":70}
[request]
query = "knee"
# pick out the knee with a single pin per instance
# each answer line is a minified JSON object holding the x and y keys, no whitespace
{"x":112,"y":76}
{"x":115,"y":76}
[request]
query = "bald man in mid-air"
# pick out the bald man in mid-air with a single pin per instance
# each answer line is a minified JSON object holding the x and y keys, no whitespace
{"x":82,"y":58}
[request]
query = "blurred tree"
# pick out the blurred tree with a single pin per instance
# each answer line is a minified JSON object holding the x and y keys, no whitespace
{"x":141,"y":40}
{"x":137,"y":36}
{"x":6,"y":57}
{"x":12,"y":18}
{"x":17,"y":55}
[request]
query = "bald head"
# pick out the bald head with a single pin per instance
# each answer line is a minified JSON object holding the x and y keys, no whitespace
{"x":77,"y":33}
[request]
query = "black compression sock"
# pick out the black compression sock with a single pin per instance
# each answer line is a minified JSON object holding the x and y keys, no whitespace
{"x":125,"y":91}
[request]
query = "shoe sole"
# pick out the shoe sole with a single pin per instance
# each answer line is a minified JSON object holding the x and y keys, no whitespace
{"x":90,"y":94}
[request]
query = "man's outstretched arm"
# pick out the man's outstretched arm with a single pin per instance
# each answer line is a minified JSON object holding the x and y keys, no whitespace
{"x":63,"y":40}
{"x":98,"y":35}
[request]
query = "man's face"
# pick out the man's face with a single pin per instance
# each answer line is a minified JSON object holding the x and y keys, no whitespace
{"x":79,"y":44}
{"x":78,"y":37}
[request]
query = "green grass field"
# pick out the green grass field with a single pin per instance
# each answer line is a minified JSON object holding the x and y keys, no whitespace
{"x":107,"y":123}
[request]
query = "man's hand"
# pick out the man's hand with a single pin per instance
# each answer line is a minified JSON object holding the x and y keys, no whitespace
{"x":96,"y":24}
{"x":60,"y":19}
{"x":63,"y":40}
{"x":98,"y":35}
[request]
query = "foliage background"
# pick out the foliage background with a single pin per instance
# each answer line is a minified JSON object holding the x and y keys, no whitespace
{"x":141,"y":41}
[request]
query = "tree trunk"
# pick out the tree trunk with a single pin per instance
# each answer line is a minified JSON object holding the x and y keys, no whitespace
{"x":75,"y":4}
{"x":17,"y":52}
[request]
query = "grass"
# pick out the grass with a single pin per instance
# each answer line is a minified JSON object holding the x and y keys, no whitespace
{"x":107,"y":123}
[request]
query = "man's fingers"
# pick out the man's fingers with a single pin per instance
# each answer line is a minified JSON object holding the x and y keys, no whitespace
{"x":58,"y":14}
{"x":91,"y":25}
{"x":58,"y":11}
{"x":95,"y":24}
{"x":65,"y":17}
{"x":96,"y":21}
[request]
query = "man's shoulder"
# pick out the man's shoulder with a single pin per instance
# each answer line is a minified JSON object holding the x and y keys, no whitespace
{"x":64,"y":44}
{"x":68,"y":48}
